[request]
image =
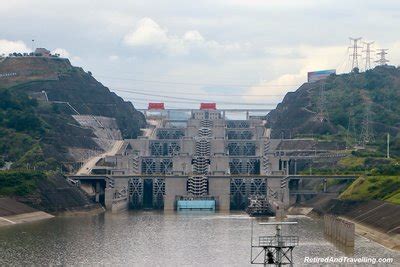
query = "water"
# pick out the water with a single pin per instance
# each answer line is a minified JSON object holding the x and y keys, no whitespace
{"x":158,"y":239}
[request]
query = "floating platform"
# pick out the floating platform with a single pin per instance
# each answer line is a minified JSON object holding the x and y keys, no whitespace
{"x":196,"y":204}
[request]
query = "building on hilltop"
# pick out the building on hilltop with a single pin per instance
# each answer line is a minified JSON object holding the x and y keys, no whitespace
{"x":43,"y":52}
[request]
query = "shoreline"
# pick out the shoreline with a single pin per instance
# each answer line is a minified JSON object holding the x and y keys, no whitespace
{"x":388,"y":241}
{"x":391,"y":242}
{"x":13,"y":212}
{"x":24,"y":218}
{"x":83,"y":211}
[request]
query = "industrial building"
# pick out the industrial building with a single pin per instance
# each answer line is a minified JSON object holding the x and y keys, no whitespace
{"x":201,"y":161}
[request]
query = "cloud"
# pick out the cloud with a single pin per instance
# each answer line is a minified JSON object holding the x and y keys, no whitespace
{"x":149,"y":34}
{"x":193,"y":36}
{"x":113,"y":57}
{"x":7,"y":47}
{"x":65,"y":54}
{"x":62,"y":52}
{"x":309,"y":58}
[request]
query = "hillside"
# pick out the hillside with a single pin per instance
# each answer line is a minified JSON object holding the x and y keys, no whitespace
{"x":47,"y":112}
{"x":338,"y":107}
{"x":38,"y":97}
{"x":385,"y":188}
{"x":344,"y":108}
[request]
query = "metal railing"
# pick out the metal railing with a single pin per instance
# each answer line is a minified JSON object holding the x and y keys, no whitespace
{"x":287,"y":241}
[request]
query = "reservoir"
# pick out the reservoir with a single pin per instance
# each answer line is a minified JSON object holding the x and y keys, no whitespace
{"x":162,"y":239}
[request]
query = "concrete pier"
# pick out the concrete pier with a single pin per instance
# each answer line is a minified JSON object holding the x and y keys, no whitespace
{"x":339,"y":230}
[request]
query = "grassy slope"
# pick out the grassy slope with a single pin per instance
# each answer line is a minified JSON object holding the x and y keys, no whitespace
{"x":385,"y":188}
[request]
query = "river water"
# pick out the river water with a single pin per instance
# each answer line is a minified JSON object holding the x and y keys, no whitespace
{"x":160,"y":239}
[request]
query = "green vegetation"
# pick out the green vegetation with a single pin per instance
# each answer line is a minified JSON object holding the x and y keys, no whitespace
{"x":19,"y":183}
{"x":348,"y":99}
{"x":385,"y":188}
{"x":35,"y":134}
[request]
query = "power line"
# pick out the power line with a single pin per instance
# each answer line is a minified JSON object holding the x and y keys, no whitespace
{"x":188,"y":92}
{"x":355,"y":55}
{"x":195,"y":100}
{"x":196,"y":84}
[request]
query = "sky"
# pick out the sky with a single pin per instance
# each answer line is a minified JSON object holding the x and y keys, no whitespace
{"x":237,"y":53}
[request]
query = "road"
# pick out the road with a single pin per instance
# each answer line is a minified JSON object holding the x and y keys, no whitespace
{"x":88,"y":166}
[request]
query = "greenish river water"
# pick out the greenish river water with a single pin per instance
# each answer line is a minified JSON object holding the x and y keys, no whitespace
{"x":159,"y":239}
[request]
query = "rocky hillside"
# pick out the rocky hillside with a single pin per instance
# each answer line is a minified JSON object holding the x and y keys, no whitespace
{"x":340,"y":105}
{"x":38,"y":97}
{"x":44,"y":106}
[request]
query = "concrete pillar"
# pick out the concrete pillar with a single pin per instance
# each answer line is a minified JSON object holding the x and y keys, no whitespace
{"x":173,"y":187}
{"x":220,"y":188}
{"x":325,"y":185}
{"x":97,"y":192}
{"x":108,"y":198}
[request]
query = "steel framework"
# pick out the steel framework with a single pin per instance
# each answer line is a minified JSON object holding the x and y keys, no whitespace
{"x":243,"y":188}
{"x":156,"y":165}
{"x":238,"y":124}
{"x":274,"y":250}
{"x":170,"y":133}
{"x":241,"y":148}
{"x":241,"y":134}
{"x":164,"y":148}
{"x":244,"y":165}
{"x":135,"y":191}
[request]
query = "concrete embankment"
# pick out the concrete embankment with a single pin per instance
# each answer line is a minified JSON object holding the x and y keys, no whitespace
{"x":13,"y":212}
{"x":374,"y":219}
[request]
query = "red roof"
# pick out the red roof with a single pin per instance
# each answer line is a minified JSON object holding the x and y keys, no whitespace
{"x":208,"y":106}
{"x":156,"y":106}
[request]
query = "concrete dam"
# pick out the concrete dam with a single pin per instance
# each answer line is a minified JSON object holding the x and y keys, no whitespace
{"x":199,"y":159}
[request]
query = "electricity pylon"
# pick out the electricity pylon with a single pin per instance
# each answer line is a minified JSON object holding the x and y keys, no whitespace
{"x":367,"y":132}
{"x":382,"y":57}
{"x":368,"y":54}
{"x":355,"y":55}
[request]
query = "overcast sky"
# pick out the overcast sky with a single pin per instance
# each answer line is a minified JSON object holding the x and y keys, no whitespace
{"x":234,"y":52}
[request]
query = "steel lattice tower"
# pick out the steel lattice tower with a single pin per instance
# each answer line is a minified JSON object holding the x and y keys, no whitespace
{"x":351,"y":129}
{"x":355,"y":55}
{"x":367,"y":134}
{"x":368,"y":55}
{"x":382,"y":57}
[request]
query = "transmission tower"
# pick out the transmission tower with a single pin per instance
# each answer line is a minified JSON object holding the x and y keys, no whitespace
{"x":382,"y":57}
{"x":351,"y":129}
{"x":322,"y":114}
{"x":367,"y":133}
{"x":367,"y":55}
{"x":355,"y":55}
